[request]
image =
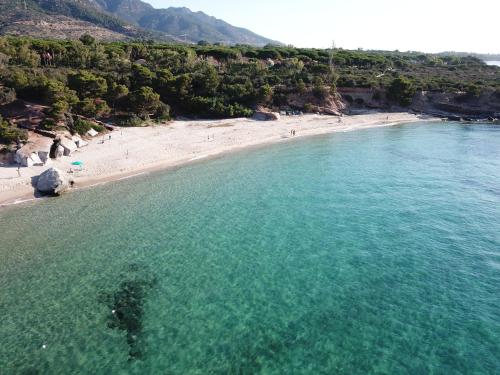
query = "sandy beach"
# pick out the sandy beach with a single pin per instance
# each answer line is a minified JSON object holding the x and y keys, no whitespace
{"x":132,"y":151}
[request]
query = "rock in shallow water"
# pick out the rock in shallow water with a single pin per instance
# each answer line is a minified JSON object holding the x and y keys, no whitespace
{"x":127,"y":307}
{"x":52,"y":181}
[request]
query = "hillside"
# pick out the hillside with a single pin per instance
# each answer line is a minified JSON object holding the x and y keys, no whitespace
{"x":127,"y":83}
{"x":61,"y":19}
{"x":181,"y":23}
{"x":117,"y":20}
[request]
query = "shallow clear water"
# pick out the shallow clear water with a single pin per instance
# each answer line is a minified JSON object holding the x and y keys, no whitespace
{"x":371,"y":252}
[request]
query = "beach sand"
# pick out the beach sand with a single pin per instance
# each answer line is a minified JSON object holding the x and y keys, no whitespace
{"x":132,"y":151}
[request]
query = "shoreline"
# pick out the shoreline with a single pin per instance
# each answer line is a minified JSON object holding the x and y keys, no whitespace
{"x":174,"y":145}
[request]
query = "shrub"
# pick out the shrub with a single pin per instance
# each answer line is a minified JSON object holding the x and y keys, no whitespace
{"x":48,"y":124}
{"x":87,"y":39}
{"x":7,"y":95}
{"x":321,"y":92}
{"x":144,"y":101}
{"x":131,"y":120}
{"x":81,"y":126}
{"x":473,"y":91}
{"x":93,"y":108}
{"x":98,"y":128}
{"x":308,"y":107}
{"x":59,"y":108}
{"x":88,"y":84}
{"x":10,"y":134}
{"x":162,"y":112}
{"x":401,"y":91}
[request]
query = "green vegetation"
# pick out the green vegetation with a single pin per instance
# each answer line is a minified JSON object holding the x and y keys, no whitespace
{"x":10,"y":134}
{"x":401,"y":91}
{"x":133,"y":82}
{"x":81,"y":126}
{"x":153,"y":81}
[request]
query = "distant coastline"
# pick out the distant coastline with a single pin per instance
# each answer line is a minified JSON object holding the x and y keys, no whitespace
{"x":134,"y":151}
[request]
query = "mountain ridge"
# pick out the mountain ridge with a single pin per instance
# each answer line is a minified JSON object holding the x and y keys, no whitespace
{"x":119,"y":19}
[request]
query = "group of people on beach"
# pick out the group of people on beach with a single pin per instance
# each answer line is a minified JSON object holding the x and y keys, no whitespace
{"x":293,"y":133}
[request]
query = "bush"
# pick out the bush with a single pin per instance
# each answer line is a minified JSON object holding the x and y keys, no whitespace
{"x":87,"y":39}
{"x":93,"y":108}
{"x":87,"y":84}
{"x":98,"y":128}
{"x":7,"y":95}
{"x":131,"y":120}
{"x":81,"y":126}
{"x":401,"y":91}
{"x":10,"y":134}
{"x":59,"y":108}
{"x":321,"y":92}
{"x":473,"y":91}
{"x":308,"y":107}
{"x":48,"y":124}
{"x":162,"y":112}
{"x":145,"y":101}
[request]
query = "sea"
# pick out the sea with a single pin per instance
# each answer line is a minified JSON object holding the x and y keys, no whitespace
{"x":496,"y":63}
{"x":365,"y":252}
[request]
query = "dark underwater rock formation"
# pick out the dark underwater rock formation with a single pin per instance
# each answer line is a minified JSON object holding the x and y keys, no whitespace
{"x":127,"y":307}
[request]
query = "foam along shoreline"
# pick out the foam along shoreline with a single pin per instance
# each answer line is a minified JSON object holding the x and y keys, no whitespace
{"x":135,"y":151}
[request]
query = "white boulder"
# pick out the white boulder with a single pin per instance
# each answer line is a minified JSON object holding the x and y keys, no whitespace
{"x":69,"y":146}
{"x":79,"y":141}
{"x":36,"y":159}
{"x":266,"y":116}
{"x":52,"y":181}
{"x":23,"y":159}
{"x":59,"y":151}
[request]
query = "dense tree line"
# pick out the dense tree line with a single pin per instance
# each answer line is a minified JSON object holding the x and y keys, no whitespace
{"x":135,"y":81}
{"x":129,"y":80}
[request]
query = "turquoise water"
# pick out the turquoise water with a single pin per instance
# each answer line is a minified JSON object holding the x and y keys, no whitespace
{"x":371,"y":252}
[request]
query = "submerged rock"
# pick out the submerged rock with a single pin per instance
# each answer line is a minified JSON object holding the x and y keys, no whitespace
{"x":52,"y":181}
{"x":127,"y":308}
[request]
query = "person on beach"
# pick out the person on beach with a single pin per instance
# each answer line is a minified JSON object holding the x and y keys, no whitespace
{"x":19,"y":171}
{"x":109,"y":137}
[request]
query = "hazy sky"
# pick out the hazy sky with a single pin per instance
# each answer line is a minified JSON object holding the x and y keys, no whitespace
{"x":423,"y":25}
